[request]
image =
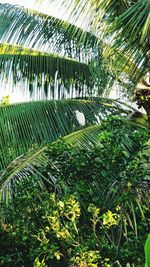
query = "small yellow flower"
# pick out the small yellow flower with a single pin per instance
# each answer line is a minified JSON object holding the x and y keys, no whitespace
{"x":57,"y":254}
{"x":110,"y":219}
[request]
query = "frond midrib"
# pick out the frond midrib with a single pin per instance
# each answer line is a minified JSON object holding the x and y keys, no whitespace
{"x":17,"y":50}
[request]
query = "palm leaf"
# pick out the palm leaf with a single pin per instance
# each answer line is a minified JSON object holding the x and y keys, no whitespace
{"x":38,"y":70}
{"x":28,"y":125}
{"x":128,"y":22}
{"x":34,"y":29}
{"x":130,"y":26}
{"x":132,"y":31}
{"x":34,"y":161}
{"x":123,"y":23}
{"x":22,"y":167}
{"x":134,"y":23}
{"x":26,"y":165}
{"x":122,"y":61}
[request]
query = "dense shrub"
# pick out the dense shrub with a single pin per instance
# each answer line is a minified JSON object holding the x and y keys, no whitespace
{"x":95,"y":213}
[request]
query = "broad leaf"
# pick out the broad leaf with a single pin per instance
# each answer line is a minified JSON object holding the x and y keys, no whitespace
{"x":147,"y":251}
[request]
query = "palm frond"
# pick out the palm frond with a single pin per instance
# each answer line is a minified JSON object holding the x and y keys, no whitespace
{"x":36,"y":30}
{"x":28,"y":125}
{"x":116,"y":8}
{"x":128,"y":23}
{"x":132,"y":30}
{"x":35,"y":70}
{"x":134,"y":23}
{"x":94,"y":11}
{"x":38,"y":70}
{"x":84,"y":138}
{"x":90,"y":136}
{"x":34,"y":161}
{"x":123,"y":23}
{"x":33,"y":29}
{"x":121,"y":64}
{"x":22,"y":167}
{"x":30,"y":163}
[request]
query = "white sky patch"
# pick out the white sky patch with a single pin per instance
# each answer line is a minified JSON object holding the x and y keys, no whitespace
{"x":45,"y":7}
{"x":26,"y":3}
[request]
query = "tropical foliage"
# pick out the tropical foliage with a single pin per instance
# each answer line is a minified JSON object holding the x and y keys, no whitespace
{"x":83,"y":201}
{"x":47,"y":35}
{"x":127,"y":20}
{"x":96,"y":210}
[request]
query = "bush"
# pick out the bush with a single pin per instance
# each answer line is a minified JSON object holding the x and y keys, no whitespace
{"x":96,"y":212}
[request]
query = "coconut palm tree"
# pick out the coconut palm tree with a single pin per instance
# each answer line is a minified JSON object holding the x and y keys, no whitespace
{"x":54,"y":59}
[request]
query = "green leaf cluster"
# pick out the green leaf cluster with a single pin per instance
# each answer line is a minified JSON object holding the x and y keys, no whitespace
{"x":96,"y":210}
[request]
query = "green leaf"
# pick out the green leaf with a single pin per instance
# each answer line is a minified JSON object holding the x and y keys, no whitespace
{"x":36,"y":29}
{"x":35,"y":69}
{"x":26,"y":126}
{"x":124,"y":24}
{"x":29,"y":163}
{"x":147,"y":251}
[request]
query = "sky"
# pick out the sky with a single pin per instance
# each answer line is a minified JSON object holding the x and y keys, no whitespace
{"x":44,"y":7}
{"x":28,"y":3}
